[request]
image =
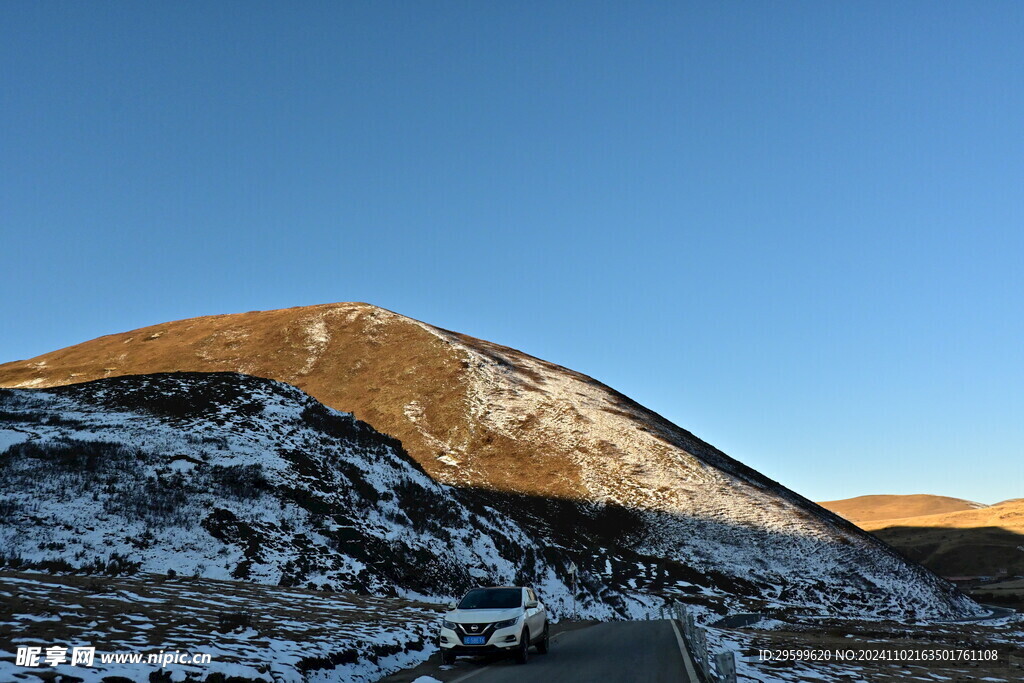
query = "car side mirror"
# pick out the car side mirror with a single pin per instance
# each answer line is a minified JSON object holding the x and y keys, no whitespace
{"x":451,"y":605}
{"x":531,"y":604}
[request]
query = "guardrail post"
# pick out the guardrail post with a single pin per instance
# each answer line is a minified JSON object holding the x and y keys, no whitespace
{"x":695,"y":639}
{"x":725,"y":662}
{"x":700,"y":645}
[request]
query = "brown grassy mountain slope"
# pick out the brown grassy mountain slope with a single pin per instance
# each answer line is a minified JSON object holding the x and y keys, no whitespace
{"x":471,"y":412}
{"x":976,"y":542}
{"x":387,"y":370}
{"x":477,"y":414}
{"x":873,"y":508}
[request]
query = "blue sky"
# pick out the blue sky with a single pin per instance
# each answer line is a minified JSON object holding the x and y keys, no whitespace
{"x":792,"y":228}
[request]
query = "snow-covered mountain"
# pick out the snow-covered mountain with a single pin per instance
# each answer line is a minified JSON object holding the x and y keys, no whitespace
{"x":580,"y":470}
{"x":233,"y":477}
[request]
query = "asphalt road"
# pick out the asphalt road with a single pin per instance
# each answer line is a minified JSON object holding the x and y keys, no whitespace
{"x":996,"y":612}
{"x":612,"y":652}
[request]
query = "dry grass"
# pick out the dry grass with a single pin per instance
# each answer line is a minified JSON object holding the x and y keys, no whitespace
{"x":982,"y":542}
{"x":1008,"y":515}
{"x":952,"y":537}
{"x":273,"y":631}
{"x":865,"y":509}
{"x":352,"y":357}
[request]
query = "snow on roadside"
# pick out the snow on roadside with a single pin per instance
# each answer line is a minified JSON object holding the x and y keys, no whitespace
{"x":284,"y":635}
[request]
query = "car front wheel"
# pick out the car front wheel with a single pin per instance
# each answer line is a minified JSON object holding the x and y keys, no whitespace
{"x":545,"y":642}
{"x":523,"y":653}
{"x":447,"y":657}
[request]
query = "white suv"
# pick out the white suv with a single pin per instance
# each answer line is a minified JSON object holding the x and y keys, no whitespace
{"x":506,"y":620}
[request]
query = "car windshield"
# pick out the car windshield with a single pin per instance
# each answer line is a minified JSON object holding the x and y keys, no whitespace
{"x":492,"y":598}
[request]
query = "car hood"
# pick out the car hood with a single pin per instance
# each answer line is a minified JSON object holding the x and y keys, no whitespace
{"x":481,"y":616}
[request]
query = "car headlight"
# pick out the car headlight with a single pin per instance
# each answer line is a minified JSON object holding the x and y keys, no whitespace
{"x":506,"y":623}
{"x":448,"y":624}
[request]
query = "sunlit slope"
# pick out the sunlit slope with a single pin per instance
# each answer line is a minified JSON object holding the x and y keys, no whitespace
{"x":1008,"y":515}
{"x":872,"y":508}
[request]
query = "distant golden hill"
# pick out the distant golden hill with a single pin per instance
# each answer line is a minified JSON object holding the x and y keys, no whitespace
{"x":874,"y":508}
{"x":962,"y":539}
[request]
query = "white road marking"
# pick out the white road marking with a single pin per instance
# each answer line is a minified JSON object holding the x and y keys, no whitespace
{"x":684,"y":652}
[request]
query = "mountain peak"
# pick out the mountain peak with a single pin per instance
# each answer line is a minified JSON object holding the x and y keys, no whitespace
{"x":482,"y":416}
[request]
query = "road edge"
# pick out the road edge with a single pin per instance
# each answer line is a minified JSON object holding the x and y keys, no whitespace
{"x":684,"y":651}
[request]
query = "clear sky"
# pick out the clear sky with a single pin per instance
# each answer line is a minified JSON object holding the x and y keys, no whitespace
{"x":794,"y":228}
